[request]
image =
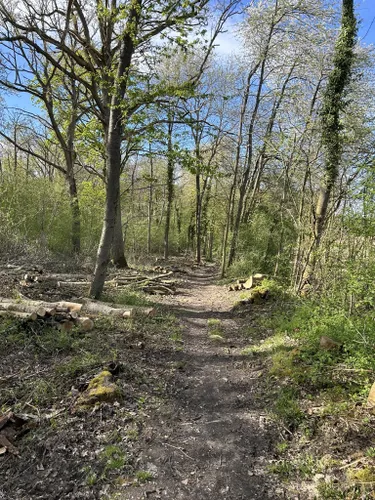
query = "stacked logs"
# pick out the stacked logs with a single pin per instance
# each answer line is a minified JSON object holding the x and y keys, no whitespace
{"x":66,"y":315}
{"x":153,"y":285}
{"x":248,"y":284}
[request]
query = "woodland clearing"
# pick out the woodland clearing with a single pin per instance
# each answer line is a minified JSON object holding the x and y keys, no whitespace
{"x":200,"y":414}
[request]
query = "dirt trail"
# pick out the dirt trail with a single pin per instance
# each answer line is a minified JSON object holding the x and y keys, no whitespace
{"x":213,"y":441}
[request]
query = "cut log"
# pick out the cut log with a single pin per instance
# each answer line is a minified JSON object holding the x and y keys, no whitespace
{"x":97,"y":307}
{"x":85,"y":324}
{"x":23,"y":308}
{"x":73,"y":314}
{"x":65,"y":277}
{"x":65,"y":325}
{"x":249,"y":283}
{"x":60,"y":310}
{"x":22,"y":315}
{"x":72,"y":306}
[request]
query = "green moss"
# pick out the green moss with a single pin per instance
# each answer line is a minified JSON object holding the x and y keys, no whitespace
{"x":216,"y":337}
{"x":101,"y":378}
{"x":215,"y":329}
{"x":365,"y":475}
{"x":282,"y":447}
{"x":100,"y":388}
{"x":213,"y":322}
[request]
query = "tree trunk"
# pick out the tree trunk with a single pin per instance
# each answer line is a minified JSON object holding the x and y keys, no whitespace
{"x":232,"y":192}
{"x":76,"y":214}
{"x":149,"y":205}
{"x":170,"y":187}
{"x":113,"y":151}
{"x":333,"y":103}
{"x":198,"y":221}
{"x":118,"y":254}
{"x":179,"y":223}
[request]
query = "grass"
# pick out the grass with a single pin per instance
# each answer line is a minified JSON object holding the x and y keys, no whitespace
{"x":287,"y":407}
{"x":303,"y":467}
{"x":317,"y":394}
{"x":215,"y":330}
{"x":143,"y":476}
{"x":113,"y":457}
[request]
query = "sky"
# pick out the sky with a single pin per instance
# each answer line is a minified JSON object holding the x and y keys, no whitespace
{"x":227,"y":42}
{"x":366,"y":11}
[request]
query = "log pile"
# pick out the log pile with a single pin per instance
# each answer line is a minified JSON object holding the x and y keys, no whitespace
{"x":157,"y":284}
{"x":248,"y":284}
{"x":66,"y":315}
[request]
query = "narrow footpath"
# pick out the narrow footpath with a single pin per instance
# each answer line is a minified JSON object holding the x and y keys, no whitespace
{"x":214,"y":439}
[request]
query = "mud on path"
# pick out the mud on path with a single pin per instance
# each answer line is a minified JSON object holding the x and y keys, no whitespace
{"x":213,"y":439}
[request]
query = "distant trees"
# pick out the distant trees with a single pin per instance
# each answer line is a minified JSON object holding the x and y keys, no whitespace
{"x":256,"y":159}
{"x":106,"y":45}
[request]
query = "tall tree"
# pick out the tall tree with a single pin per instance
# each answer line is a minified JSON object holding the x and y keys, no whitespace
{"x":111,"y":42}
{"x":333,"y":105}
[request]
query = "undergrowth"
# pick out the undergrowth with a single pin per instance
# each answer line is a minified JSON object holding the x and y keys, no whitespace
{"x":319,"y":393}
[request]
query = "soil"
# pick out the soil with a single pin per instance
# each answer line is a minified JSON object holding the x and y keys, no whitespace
{"x":194,"y":415}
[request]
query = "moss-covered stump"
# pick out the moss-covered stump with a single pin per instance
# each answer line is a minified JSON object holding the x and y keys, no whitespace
{"x":100,"y":389}
{"x":258,"y":295}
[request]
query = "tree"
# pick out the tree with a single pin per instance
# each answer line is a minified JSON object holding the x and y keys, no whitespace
{"x":333,"y":105}
{"x":61,"y":98}
{"x":111,"y":42}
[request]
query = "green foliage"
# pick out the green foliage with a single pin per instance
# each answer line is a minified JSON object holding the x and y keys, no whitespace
{"x":215,"y":330}
{"x":91,"y":199}
{"x":113,"y":457}
{"x":287,"y":407}
{"x":302,"y":468}
{"x":35,"y":213}
{"x":143,"y":476}
{"x":126,"y":297}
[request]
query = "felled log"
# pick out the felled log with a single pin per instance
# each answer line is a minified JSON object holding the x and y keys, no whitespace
{"x":65,"y":277}
{"x":86,"y":324}
{"x":26,"y":308}
{"x":58,"y":316}
{"x":22,"y":315}
{"x":88,"y":306}
{"x":97,"y":307}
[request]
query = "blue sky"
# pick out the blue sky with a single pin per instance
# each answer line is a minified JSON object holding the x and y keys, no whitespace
{"x":365,"y":10}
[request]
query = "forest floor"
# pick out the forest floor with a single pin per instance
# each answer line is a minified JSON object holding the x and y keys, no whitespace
{"x":195,"y":419}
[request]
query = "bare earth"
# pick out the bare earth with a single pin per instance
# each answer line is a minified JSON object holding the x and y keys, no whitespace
{"x":214,"y":441}
{"x":205,"y":435}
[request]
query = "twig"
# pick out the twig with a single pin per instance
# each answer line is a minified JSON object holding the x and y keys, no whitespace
{"x":181,"y":450}
{"x":336,"y":369}
{"x":351,"y":463}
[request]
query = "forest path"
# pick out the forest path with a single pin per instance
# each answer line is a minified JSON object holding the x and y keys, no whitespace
{"x":212,"y":440}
